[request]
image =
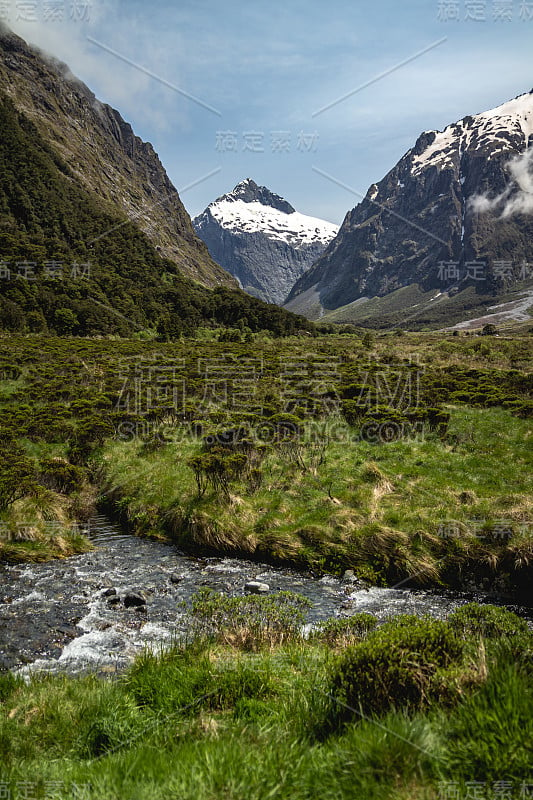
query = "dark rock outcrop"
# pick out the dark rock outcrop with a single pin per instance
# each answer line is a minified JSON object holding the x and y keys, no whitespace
{"x":134,"y":599}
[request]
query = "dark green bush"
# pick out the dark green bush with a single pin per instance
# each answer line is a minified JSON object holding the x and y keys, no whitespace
{"x":352,"y":411}
{"x":217,"y":469}
{"x":17,"y":474}
{"x":60,"y":476}
{"x":487,"y":621}
{"x":287,"y":426}
{"x":339,"y":631}
{"x":395,"y":667}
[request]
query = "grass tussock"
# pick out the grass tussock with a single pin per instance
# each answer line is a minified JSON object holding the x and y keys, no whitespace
{"x":39,"y":530}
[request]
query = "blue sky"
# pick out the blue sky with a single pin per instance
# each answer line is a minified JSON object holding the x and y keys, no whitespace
{"x":247,"y":80}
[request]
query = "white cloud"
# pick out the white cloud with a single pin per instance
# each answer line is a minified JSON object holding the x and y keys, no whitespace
{"x":112,"y":80}
{"x":517,"y":198}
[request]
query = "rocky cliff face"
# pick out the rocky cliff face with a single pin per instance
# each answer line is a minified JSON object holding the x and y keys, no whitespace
{"x":104,"y":154}
{"x":458,"y":196}
{"x":262,"y":240}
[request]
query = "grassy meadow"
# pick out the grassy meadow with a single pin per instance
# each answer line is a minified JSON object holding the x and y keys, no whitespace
{"x":422,"y":507}
{"x":405,"y":457}
{"x":393,"y":455}
{"x":248,"y":714}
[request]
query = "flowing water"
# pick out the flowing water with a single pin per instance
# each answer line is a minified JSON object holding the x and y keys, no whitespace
{"x":70,"y":616}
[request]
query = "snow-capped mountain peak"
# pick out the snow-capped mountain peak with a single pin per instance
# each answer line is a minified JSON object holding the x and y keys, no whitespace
{"x":458,"y":197}
{"x":261,"y":239}
{"x":488,"y":130}
{"x":250,"y":208}
{"x":520,"y":109}
{"x":249,"y":192}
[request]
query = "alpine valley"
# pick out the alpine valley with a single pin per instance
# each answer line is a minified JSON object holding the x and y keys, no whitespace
{"x":244,"y":553}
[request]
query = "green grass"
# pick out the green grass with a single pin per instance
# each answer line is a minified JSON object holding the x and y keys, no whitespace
{"x":213,"y":720}
{"x":376,"y":508}
{"x":379,"y":507}
{"x":491,"y":733}
{"x":205,"y":721}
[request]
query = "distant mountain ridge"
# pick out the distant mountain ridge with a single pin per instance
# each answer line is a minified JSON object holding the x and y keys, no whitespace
{"x":259,"y":237}
{"x":448,"y":199}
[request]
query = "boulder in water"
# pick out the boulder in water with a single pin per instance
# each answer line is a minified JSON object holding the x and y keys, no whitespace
{"x":114,"y":600}
{"x":349,"y":576}
{"x":134,"y":599}
{"x":256,"y":587}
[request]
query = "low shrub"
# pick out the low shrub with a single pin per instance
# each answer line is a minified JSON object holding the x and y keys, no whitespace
{"x":17,"y":475}
{"x":487,"y":621}
{"x":335,"y":632}
{"x":60,"y":476}
{"x":217,"y":469}
{"x":249,"y":622}
{"x":399,"y":665}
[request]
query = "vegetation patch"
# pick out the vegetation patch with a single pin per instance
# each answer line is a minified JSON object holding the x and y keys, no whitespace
{"x":389,"y":455}
{"x":207,"y":719}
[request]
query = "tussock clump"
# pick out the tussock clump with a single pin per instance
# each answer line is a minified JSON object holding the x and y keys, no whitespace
{"x":344,"y":632}
{"x":250,"y":622}
{"x":371,"y":473}
{"x":401,"y":665}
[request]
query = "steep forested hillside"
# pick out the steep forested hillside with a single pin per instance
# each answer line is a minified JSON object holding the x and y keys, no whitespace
{"x":70,"y":266}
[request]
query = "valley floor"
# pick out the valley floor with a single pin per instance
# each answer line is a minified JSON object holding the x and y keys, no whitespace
{"x":406,"y":458}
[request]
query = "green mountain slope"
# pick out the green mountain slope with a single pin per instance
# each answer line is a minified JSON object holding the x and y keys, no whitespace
{"x":70,"y":266}
{"x":412,"y":308}
{"x":104,"y":155}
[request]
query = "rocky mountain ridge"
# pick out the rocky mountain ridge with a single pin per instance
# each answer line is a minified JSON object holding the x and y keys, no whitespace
{"x":104,"y":154}
{"x":458,"y":197}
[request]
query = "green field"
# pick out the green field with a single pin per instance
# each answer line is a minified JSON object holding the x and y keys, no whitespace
{"x":239,"y":715}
